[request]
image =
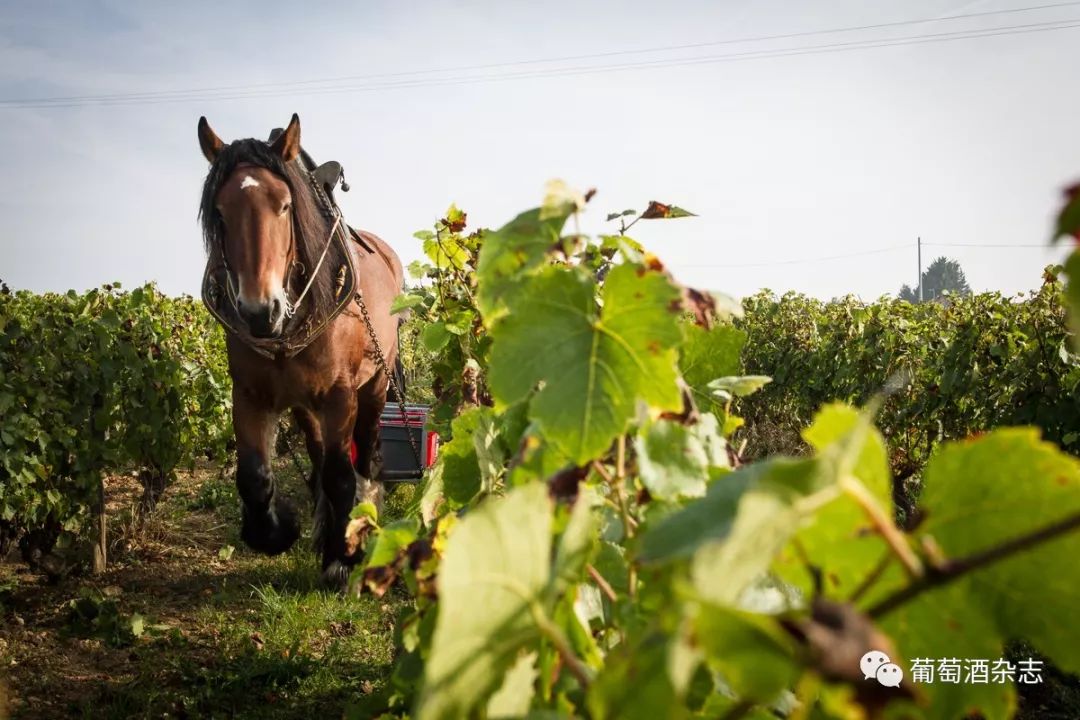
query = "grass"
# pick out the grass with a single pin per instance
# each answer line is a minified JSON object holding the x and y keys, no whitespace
{"x":226,"y":633}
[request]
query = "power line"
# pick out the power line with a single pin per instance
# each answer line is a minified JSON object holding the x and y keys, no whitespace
{"x":268,"y":89}
{"x":991,"y":245}
{"x":876,"y":251}
{"x":592,"y":69}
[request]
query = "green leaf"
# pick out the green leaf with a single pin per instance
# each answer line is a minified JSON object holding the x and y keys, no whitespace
{"x":405,"y":301}
{"x":712,"y":353}
{"x":365,"y":509}
{"x":517,"y":248}
{"x":782,"y":496}
{"x":577,"y":543}
{"x":446,"y":252}
{"x":756,"y":661}
{"x":463,"y":475}
{"x":738,"y":386}
{"x":709,"y":354}
{"x":431,"y":497}
{"x":391,"y":540}
{"x":495,"y":570}
{"x":514,"y":697}
{"x":1068,"y":220}
{"x":841,"y":539}
{"x":1072,"y":295}
{"x":680,"y":534}
{"x":594,"y":366}
{"x":635,"y":685}
{"x":978,"y":494}
{"x":435,"y":336}
{"x":674,"y":459}
{"x":137,"y":625}
{"x":225,"y":553}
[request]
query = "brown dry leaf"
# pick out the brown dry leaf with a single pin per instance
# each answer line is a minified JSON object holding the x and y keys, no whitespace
{"x":656,"y":210}
{"x":660,"y":211}
{"x":257,"y":640}
{"x":342,"y":629}
{"x":702,"y":305}
{"x":356,"y":534}
{"x":379,"y":579}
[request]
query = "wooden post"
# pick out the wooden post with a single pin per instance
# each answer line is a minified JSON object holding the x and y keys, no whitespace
{"x":102,"y":536}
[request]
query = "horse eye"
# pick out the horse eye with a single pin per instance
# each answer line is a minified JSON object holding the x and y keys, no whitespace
{"x":285,"y":208}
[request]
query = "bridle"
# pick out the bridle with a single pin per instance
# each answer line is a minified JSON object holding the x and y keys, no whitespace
{"x":220,"y":283}
{"x":290,"y":259}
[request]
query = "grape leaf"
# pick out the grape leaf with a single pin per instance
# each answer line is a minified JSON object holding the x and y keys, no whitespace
{"x":660,"y":211}
{"x":979,"y":493}
{"x":1068,"y":220}
{"x":757,"y":662}
{"x":594,"y":366}
{"x":513,"y":698}
{"x":446,"y":252}
{"x":635,"y":684}
{"x":389,"y":541}
{"x":471,"y":459}
{"x":517,"y":248}
{"x":782,"y":500}
{"x":731,"y":386}
{"x":840,"y":539}
{"x":496,"y":567}
{"x":707,"y":355}
{"x":405,"y":301}
{"x":674,"y":459}
{"x":678,"y":535}
{"x":577,"y":543}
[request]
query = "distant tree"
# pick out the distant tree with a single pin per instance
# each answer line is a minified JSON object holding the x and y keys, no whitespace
{"x":943,"y":274}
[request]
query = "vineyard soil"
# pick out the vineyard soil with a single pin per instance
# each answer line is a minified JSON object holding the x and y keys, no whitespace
{"x":224,"y":632}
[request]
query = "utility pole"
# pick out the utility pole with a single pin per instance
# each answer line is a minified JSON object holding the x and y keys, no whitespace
{"x":920,"y":267}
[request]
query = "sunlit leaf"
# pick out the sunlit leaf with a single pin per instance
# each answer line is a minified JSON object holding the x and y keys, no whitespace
{"x":594,"y":365}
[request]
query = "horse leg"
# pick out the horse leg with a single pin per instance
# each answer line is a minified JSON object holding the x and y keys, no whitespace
{"x":338,"y":483}
{"x":309,"y":425}
{"x":269,"y":520}
{"x":371,"y":399}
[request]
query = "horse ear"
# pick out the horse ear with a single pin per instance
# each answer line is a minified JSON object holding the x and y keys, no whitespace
{"x":209,"y":141}
{"x":287,"y":144}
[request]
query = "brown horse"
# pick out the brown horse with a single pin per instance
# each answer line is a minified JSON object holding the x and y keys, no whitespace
{"x":289,"y":281}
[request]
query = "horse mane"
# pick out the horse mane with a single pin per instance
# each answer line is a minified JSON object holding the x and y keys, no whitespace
{"x":311,"y":225}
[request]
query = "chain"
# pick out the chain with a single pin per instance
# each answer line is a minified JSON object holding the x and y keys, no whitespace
{"x":380,"y":358}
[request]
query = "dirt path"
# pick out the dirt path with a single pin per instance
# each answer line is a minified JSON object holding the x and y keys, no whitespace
{"x":223,"y":632}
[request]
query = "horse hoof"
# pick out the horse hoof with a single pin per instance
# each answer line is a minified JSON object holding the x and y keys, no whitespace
{"x":336,"y":576}
{"x":273,"y":532}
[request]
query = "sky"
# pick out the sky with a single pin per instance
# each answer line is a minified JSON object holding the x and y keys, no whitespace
{"x":789,"y":152}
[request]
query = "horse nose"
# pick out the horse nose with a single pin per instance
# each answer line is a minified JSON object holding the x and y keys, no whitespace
{"x":262,"y":320}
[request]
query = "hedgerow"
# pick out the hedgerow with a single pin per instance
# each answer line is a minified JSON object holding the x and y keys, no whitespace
{"x":99,"y":382}
{"x":949,"y":369}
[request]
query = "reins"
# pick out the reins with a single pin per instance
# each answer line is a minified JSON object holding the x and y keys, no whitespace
{"x":291,"y":308}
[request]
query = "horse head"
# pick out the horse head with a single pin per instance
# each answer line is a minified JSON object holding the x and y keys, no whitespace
{"x":248,"y":210}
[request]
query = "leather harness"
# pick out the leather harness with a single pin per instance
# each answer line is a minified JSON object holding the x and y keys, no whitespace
{"x":219,"y":293}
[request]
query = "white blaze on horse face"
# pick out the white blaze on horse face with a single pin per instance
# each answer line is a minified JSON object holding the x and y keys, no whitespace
{"x":249,"y":182}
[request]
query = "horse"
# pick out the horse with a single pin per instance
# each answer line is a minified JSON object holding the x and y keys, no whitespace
{"x":306,"y":304}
